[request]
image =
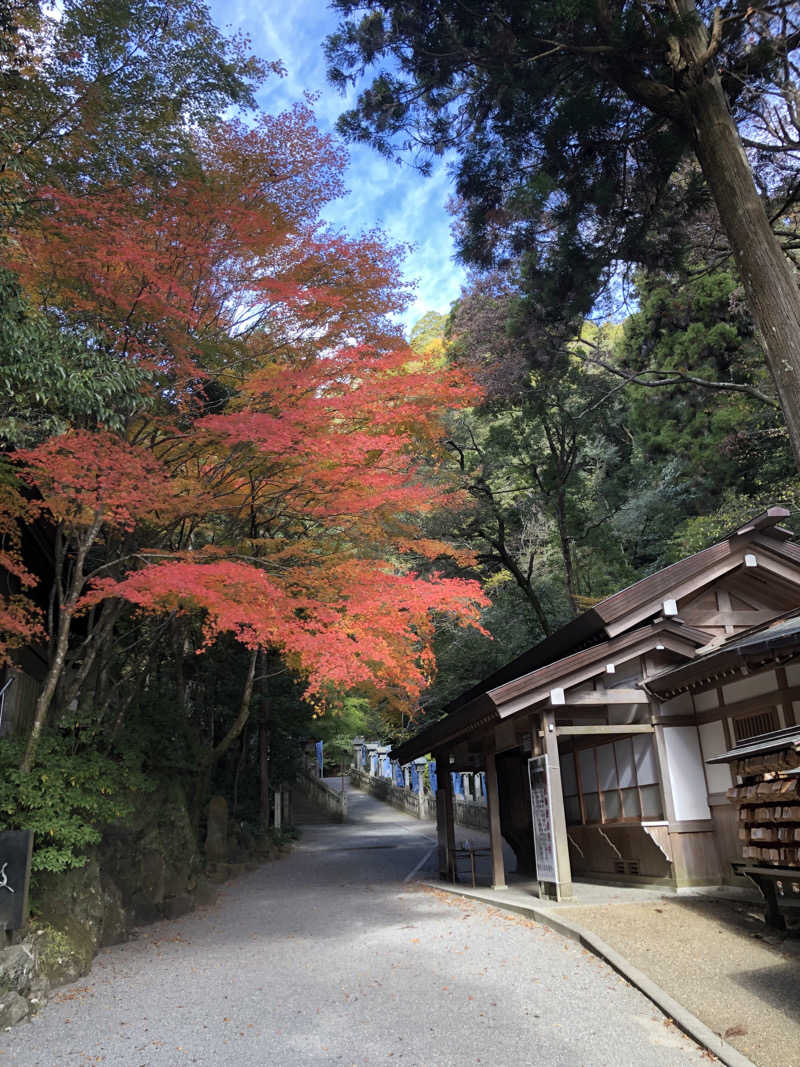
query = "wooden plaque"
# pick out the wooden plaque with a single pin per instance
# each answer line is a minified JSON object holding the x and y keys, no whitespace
{"x":543,"y":838}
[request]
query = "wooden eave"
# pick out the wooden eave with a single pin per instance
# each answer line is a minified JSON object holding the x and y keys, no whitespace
{"x":638,"y":602}
{"x":620,"y":623}
{"x":728,"y":662}
{"x":475,"y":716}
{"x":582,"y":666}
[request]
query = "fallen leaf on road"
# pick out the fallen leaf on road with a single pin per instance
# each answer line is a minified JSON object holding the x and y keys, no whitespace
{"x":735,"y":1031}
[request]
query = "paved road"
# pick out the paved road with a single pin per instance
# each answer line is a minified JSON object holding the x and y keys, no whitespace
{"x":330,"y":957}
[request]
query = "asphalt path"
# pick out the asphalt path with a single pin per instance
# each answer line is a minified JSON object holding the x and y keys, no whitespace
{"x":338,"y":955}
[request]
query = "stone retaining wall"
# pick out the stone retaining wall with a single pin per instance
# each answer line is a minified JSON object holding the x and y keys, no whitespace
{"x":330,"y":800}
{"x":421,"y":806}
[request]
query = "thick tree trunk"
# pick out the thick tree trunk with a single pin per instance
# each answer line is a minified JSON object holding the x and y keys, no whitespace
{"x":769,"y":281}
{"x":60,"y":647}
{"x":48,"y":689}
{"x":566,"y":551}
{"x":216,"y":753}
{"x":263,"y":746}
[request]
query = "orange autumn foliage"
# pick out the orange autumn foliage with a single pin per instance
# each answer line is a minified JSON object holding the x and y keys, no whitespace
{"x":291,"y":517}
{"x":175,"y":278}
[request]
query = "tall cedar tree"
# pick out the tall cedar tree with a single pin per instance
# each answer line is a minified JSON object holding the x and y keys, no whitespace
{"x":571,"y":118}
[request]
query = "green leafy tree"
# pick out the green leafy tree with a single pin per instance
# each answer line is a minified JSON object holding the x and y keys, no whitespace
{"x":690,"y":328}
{"x":53,"y":378}
{"x":573,"y":120}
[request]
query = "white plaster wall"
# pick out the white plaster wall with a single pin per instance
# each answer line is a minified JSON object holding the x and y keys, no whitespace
{"x":750,"y":687}
{"x":626,"y":713}
{"x":685,"y":769}
{"x":706,"y":701}
{"x":793,"y":674}
{"x":712,"y":742}
{"x":679,"y":705}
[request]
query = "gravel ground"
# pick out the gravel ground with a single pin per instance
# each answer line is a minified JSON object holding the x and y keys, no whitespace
{"x":718,"y":960}
{"x":330,"y":957}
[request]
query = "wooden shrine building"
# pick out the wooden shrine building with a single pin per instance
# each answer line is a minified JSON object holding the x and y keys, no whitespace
{"x":621,"y":709}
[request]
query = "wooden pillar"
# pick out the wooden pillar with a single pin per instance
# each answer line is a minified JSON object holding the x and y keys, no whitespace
{"x":445,"y":824}
{"x":495,"y":835}
{"x":557,"y":814}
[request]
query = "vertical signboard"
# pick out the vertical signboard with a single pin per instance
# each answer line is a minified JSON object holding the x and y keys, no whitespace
{"x":543,"y":838}
{"x":16,"y":847}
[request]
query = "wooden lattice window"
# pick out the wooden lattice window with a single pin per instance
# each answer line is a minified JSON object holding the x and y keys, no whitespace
{"x":613,"y":782}
{"x":760,"y":722}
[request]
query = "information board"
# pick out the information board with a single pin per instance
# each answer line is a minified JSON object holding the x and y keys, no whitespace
{"x":15,"y":872}
{"x":543,"y":839}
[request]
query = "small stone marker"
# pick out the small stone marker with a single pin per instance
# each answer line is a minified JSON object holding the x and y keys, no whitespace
{"x":16,"y":847}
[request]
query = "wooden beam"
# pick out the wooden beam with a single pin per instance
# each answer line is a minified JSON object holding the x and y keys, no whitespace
{"x":729,"y":618}
{"x":550,"y":745}
{"x":621,"y":728}
{"x":605,"y":696}
{"x":445,"y":824}
{"x":495,"y":832}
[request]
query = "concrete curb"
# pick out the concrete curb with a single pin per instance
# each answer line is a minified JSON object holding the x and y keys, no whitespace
{"x":682,"y":1017}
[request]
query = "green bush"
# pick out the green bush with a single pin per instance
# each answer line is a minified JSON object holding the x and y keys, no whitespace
{"x":66,"y":799}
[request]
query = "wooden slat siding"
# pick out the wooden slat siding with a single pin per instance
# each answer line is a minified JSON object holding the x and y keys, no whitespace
{"x":571,"y":669}
{"x":758,"y":722}
{"x":788,"y":549}
{"x":773,"y":594}
{"x":784,"y":569}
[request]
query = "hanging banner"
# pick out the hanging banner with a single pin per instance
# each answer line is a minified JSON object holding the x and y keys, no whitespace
{"x":414,"y":778}
{"x":399,"y":777}
{"x":319,"y":757}
{"x":544,"y":842}
{"x":432,"y":777}
{"x":458,"y":783}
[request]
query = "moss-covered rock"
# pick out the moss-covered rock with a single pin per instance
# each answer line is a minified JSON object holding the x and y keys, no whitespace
{"x":16,"y":969}
{"x":153,"y":856}
{"x":13,"y":1009}
{"x":64,"y":953}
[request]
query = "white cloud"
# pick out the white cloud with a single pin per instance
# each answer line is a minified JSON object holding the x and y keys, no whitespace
{"x":409,"y":208}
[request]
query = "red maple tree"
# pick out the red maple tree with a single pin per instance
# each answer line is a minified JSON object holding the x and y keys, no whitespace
{"x":290,"y":518}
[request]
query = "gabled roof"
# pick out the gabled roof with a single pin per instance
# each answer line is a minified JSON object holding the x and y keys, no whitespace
{"x":501,"y":703}
{"x":762,"y":646}
{"x":593,"y":625}
{"x":635,"y":606}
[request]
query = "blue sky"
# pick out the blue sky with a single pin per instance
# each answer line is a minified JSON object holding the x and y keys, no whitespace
{"x":409,"y":208}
